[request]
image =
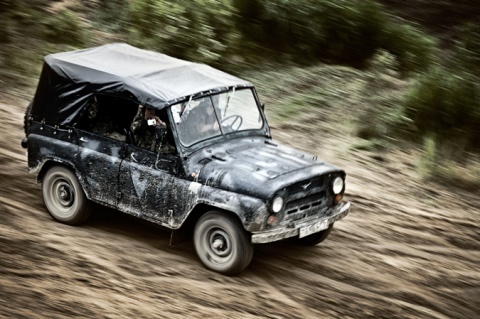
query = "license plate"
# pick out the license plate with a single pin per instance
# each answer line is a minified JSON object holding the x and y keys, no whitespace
{"x":313,"y":228}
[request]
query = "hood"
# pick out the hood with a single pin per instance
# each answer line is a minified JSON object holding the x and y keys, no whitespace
{"x":256,"y":167}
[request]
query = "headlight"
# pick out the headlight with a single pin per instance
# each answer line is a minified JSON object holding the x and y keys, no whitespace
{"x":337,"y":185}
{"x":277,"y":204}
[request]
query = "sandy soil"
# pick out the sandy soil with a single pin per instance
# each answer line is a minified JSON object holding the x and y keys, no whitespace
{"x":406,"y":250}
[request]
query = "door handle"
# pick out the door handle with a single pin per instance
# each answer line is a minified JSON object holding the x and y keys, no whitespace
{"x":83,"y":140}
{"x":133,"y":157}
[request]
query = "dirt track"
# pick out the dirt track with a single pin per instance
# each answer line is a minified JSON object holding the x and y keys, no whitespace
{"x":405,"y":251}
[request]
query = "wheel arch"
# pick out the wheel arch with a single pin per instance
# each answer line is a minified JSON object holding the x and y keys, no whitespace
{"x":201,"y":209}
{"x":49,"y":163}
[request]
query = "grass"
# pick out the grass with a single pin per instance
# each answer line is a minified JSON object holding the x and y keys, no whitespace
{"x":300,"y":103}
{"x":291,"y":90}
{"x":370,"y":145}
{"x":442,"y":164}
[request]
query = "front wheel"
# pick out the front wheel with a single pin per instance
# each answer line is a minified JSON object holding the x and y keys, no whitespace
{"x":314,"y":239}
{"x":222,"y":244}
{"x":64,"y":197}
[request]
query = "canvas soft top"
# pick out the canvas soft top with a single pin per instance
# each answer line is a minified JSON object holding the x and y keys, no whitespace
{"x":69,"y":80}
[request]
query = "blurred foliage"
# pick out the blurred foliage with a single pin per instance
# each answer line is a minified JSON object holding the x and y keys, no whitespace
{"x":257,"y":38}
{"x":232,"y":34}
{"x":441,"y":17}
{"x":446,"y":106}
{"x":446,"y":164}
{"x":349,"y":31}
{"x":445,"y":102}
{"x":382,"y":116}
{"x":467,"y":49}
{"x":106,"y":14}
{"x":371,"y":145}
{"x":29,"y":31}
{"x":32,"y":22}
{"x":199,"y":30}
{"x":63,"y":27}
{"x":412,"y":48}
{"x":441,"y":105}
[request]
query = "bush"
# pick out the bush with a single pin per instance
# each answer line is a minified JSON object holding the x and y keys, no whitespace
{"x":106,"y":14}
{"x":64,"y":27}
{"x":199,"y":30}
{"x":413,"y":49}
{"x":340,"y":32}
{"x":435,"y":163}
{"x":351,"y":30}
{"x":467,"y":49}
{"x":446,"y":106}
{"x":382,"y":116}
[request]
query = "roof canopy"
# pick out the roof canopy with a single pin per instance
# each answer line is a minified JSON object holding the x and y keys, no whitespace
{"x":70,"y":79}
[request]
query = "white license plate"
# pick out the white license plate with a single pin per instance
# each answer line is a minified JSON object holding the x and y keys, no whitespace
{"x":313,"y":228}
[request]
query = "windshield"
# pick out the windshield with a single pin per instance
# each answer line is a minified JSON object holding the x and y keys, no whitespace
{"x":214,"y":115}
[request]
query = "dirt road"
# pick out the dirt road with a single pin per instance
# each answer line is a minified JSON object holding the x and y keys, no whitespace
{"x":406,"y":250}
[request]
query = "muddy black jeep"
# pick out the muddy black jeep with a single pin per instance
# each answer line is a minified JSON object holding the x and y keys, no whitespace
{"x":211,"y":168}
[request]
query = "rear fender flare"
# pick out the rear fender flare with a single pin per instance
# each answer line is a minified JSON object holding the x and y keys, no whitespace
{"x":47,"y":163}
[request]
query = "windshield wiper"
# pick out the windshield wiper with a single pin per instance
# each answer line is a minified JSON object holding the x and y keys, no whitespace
{"x":186,"y":107}
{"x":228,"y":101}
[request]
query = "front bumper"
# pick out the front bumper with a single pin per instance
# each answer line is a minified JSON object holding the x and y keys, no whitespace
{"x":280,"y":233}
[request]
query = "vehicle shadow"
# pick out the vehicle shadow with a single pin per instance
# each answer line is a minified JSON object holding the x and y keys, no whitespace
{"x":266,"y":256}
{"x":121,"y":224}
{"x":118,"y":223}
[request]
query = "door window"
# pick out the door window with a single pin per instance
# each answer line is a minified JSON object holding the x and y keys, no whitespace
{"x":110,"y":117}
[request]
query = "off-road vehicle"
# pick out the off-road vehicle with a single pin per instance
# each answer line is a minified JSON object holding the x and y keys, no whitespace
{"x":210,"y":169}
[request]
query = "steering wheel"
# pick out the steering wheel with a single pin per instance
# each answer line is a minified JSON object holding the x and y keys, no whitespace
{"x":236,"y":118}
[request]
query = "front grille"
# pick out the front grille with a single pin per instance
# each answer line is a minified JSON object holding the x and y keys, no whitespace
{"x":307,"y":186}
{"x":305,"y":202}
{"x":307,"y":198}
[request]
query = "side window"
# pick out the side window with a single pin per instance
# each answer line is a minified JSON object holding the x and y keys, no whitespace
{"x":109,"y":116}
{"x":151,"y":130}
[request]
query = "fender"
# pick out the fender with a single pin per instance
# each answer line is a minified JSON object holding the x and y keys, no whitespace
{"x":43,"y":150}
{"x":48,"y":162}
{"x":252,"y":212}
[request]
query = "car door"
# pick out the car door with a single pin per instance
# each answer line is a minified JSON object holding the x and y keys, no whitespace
{"x":99,"y":159}
{"x":145,"y":183}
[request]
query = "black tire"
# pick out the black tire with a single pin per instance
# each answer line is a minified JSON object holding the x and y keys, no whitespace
{"x":26,"y":118}
{"x":64,"y":197}
{"x":222,"y":244}
{"x":313,"y":239}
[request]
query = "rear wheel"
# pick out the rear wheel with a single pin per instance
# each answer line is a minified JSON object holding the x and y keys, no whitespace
{"x":64,"y":197}
{"x":314,"y":239}
{"x":222,"y":244}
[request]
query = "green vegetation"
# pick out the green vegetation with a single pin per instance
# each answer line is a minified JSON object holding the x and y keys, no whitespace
{"x":63,"y":27}
{"x":444,"y":103}
{"x":412,"y":48}
{"x":200,"y":30}
{"x":348,"y":32}
{"x":445,"y":164}
{"x":380,"y":77}
{"x":228,"y":33}
{"x":446,"y":106}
